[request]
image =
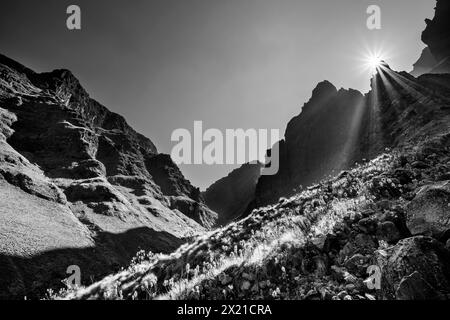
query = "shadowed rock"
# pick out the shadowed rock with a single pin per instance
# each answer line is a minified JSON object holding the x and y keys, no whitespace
{"x":425,"y":63}
{"x":416,"y":268}
{"x":437,"y":37}
{"x":230,"y":196}
{"x":429,"y":212}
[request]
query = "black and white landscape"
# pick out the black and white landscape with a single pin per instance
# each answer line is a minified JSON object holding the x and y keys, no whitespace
{"x":363,"y":185}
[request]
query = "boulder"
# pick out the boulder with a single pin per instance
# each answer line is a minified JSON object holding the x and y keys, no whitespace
{"x":94,"y":190}
{"x":388,"y":232}
{"x":361,"y":244}
{"x":417,"y":267}
{"x":367,"y":225}
{"x":357,"y":264}
{"x":84,"y":169}
{"x":429,"y":212}
{"x":414,"y":287}
{"x":194,"y":210}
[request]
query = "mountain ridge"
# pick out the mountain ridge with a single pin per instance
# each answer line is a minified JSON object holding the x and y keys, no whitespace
{"x":87,"y":173}
{"x":318,"y":243}
{"x":298,"y":171}
{"x":389,"y":213}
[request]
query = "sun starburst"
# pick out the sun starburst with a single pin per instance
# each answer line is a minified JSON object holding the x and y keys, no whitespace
{"x":372,"y":60}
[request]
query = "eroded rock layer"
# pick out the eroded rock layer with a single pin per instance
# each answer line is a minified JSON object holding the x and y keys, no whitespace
{"x":79,"y":186}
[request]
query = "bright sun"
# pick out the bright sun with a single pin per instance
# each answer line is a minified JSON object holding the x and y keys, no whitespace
{"x":372,"y":58}
{"x":373,"y":62}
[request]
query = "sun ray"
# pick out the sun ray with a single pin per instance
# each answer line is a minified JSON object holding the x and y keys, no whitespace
{"x":373,"y":57}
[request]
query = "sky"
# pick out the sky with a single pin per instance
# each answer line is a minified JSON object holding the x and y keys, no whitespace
{"x":164,"y":64}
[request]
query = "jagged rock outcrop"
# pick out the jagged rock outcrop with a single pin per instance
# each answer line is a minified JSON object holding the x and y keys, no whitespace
{"x":231,"y":195}
{"x":425,"y":64}
{"x":437,"y":37}
{"x":317,"y":143}
{"x":182,"y":195}
{"x":76,"y":177}
{"x":337,"y":128}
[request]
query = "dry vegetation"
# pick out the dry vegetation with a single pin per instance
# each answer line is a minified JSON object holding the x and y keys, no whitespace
{"x":314,"y":245}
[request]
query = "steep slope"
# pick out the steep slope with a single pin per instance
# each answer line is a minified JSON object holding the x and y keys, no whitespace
{"x":231,"y":195}
{"x":317,"y":142}
{"x":335,"y":128}
{"x":75,"y":176}
{"x":437,"y":37}
{"x":425,"y":64}
{"x":390,"y":213}
{"x":338,"y":128}
{"x":180,"y":193}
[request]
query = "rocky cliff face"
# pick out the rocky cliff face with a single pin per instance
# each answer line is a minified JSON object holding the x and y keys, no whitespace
{"x":437,"y":37}
{"x":230,"y":196}
{"x":76,"y":177}
{"x":425,"y":64}
{"x":318,"y":142}
{"x":390,"y":213}
{"x":337,"y":128}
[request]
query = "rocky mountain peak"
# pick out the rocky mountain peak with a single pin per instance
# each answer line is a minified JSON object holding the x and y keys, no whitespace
{"x":425,"y":63}
{"x":437,"y":33}
{"x":324,"y":87}
{"x":437,"y":37}
{"x":77,"y":167}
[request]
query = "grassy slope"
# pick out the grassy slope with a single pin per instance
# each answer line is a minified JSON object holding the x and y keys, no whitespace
{"x":279,"y":251}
